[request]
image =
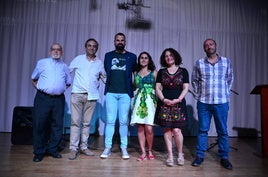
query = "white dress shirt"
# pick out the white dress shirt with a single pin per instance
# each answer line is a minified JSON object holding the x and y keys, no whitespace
{"x":86,"y":75}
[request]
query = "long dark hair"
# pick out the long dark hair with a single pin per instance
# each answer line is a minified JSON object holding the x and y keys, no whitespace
{"x":151,"y":65}
{"x":177,"y":57}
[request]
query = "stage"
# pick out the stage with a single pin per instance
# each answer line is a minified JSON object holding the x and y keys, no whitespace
{"x":16,"y":160}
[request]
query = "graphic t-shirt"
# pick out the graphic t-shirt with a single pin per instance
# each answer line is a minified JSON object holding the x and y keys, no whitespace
{"x":118,"y":75}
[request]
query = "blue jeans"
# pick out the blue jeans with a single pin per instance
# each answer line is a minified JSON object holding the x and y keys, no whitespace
{"x":117,"y":105}
{"x":220,"y":114}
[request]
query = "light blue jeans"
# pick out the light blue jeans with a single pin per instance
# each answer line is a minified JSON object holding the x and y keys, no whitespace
{"x":220,"y":114}
{"x":117,"y":105}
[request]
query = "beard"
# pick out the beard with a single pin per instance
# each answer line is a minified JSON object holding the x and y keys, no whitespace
{"x":56,"y":56}
{"x":120,"y":47}
{"x":210,"y":52}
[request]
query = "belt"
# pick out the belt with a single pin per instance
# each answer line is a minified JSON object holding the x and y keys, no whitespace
{"x":81,"y":93}
{"x":50,"y":95}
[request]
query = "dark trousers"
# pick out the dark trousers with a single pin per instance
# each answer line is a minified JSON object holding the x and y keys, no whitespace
{"x":47,"y":122}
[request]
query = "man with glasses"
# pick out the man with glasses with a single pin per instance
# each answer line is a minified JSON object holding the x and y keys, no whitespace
{"x":50,"y":77}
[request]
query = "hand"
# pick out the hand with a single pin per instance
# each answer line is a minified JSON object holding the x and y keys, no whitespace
{"x":173,"y":102}
{"x":168,"y":102}
{"x":178,"y":100}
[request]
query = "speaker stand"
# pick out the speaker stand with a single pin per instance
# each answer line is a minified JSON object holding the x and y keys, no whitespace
{"x":212,"y":145}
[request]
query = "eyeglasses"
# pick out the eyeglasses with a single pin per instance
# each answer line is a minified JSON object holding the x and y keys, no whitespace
{"x":56,"y":49}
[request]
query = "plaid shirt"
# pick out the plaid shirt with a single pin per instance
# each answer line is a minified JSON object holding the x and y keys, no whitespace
{"x":212,"y":82}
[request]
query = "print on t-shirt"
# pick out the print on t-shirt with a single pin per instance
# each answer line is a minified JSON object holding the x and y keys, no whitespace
{"x":117,"y":82}
{"x":118,"y":64}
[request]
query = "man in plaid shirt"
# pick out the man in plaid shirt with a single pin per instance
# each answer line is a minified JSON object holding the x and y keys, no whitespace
{"x":212,"y":78}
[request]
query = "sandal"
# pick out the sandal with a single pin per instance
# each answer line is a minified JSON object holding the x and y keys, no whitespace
{"x":141,"y":158}
{"x":151,"y":157}
{"x":180,"y":159}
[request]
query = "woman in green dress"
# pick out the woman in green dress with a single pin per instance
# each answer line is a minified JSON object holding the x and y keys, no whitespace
{"x":144,"y":105}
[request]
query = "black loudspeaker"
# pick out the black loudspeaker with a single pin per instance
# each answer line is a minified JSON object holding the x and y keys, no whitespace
{"x":22,"y":126}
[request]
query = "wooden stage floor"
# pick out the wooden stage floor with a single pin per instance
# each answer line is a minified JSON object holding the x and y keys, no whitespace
{"x":16,"y":161}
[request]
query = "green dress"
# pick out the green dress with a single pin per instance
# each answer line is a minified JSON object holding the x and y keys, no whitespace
{"x":144,"y":104}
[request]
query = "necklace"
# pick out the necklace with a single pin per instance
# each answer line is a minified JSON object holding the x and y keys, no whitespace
{"x":172,"y":69}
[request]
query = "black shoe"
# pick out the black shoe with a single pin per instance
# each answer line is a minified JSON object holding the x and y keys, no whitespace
{"x":197,"y":162}
{"x":226,"y":164}
{"x":38,"y":158}
{"x":55,"y":155}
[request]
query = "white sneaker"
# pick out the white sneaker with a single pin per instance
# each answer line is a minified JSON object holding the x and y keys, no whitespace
{"x":106,"y":153}
{"x":125,"y":155}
